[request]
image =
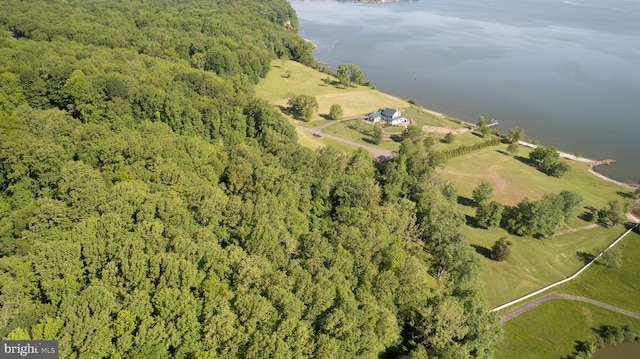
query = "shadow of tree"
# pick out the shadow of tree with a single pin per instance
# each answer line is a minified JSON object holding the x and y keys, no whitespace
{"x":369,"y":140}
{"x":396,"y":138}
{"x":484,"y":251}
{"x":587,"y":216}
{"x":628,"y":195}
{"x":465,"y":201}
{"x":286,"y":110}
{"x":585,"y":257}
{"x":525,"y":160}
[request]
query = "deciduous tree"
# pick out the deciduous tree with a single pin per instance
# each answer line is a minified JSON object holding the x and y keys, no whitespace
{"x":377,"y":134}
{"x":513,"y":148}
{"x":335,"y":112}
{"x":501,"y":250}
{"x":350,"y":73}
{"x":303,"y":107}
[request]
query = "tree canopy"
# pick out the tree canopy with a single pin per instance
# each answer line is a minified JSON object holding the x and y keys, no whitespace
{"x":303,"y":107}
{"x":548,"y":160}
{"x":152,"y":207}
{"x":350,"y":74}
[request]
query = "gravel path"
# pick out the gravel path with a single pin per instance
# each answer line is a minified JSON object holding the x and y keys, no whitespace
{"x":504,"y":317}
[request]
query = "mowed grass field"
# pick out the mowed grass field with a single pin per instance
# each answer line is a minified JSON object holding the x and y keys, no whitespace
{"x":361,"y":131}
{"x":277,"y":88}
{"x":513,"y":178}
{"x":533,"y":263}
{"x":616,"y":286}
{"x":552,"y":329}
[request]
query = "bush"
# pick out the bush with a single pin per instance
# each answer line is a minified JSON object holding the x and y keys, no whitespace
{"x":500,"y":250}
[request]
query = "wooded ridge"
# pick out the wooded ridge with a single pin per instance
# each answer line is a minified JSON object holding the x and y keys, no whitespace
{"x":152,"y":207}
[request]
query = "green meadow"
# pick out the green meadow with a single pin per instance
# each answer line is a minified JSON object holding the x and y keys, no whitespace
{"x":552,"y":329}
{"x":277,"y":87}
{"x":533,"y":263}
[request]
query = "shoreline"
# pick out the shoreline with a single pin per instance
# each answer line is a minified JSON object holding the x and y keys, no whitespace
{"x":592,"y":165}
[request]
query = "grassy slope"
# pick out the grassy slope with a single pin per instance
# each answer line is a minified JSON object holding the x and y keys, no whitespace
{"x":513,"y":179}
{"x":552,"y":329}
{"x":276,"y":88}
{"x":361,"y":132}
{"x":533,"y":263}
{"x":616,"y":286}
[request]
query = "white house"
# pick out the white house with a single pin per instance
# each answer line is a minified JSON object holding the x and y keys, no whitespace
{"x":389,"y":115}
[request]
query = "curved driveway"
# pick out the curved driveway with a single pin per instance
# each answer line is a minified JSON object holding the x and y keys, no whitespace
{"x":317,"y":131}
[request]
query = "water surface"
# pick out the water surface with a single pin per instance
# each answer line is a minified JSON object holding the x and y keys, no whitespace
{"x":625,"y":350}
{"x":568,"y":72}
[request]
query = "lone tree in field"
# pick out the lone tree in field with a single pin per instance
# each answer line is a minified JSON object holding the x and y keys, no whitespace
{"x":303,"y":107}
{"x":377,"y":134}
{"x":612,"y":258}
{"x":513,"y":148}
{"x":547,"y":159}
{"x":449,"y":138}
{"x":544,"y":156}
{"x":335,"y":112}
{"x":483,"y":194}
{"x":612,"y":215}
{"x":501,"y":250}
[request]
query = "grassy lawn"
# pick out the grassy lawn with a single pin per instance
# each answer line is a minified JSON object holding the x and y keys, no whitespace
{"x":534,"y":263}
{"x":616,"y":286}
{"x":552,"y":329}
{"x":360,"y":131}
{"x":421,"y":118}
{"x":467,"y":138}
{"x":276,"y":88}
{"x":513,"y":179}
{"x":308,"y":140}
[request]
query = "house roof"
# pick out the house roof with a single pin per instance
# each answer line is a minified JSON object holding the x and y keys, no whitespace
{"x":388,"y":112}
{"x":376,"y":114}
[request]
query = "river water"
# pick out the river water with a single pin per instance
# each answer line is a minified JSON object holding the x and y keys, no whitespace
{"x":625,"y":350}
{"x":568,"y":72}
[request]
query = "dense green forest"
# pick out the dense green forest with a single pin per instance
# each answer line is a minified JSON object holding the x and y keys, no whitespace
{"x":152,"y":207}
